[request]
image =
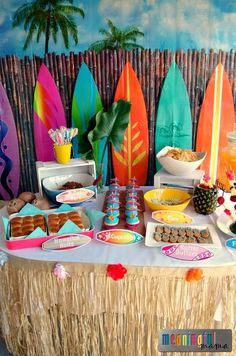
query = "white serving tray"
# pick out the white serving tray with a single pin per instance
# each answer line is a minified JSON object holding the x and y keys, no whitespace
{"x":151,"y":242}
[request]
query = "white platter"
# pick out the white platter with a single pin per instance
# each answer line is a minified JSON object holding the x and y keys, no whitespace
{"x":223,"y":222}
{"x":151,"y":242}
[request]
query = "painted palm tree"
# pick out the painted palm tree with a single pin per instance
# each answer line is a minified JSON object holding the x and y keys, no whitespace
{"x":115,"y":38}
{"x":48,"y":17}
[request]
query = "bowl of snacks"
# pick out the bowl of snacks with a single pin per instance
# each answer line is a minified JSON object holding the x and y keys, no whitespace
{"x":178,"y":161}
{"x":56,"y":185}
{"x":167,"y":199}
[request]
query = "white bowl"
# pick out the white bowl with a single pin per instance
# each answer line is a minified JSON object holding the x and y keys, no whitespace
{"x":51,"y":185}
{"x":177,"y":167}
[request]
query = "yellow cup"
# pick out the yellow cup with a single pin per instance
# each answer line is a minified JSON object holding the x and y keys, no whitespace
{"x":63,"y":153}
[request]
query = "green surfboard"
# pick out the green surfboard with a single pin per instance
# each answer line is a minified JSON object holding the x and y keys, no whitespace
{"x":173,"y":122}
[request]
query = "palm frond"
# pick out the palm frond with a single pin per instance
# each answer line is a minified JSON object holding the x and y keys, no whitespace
{"x":69,"y":9}
{"x":30,"y":34}
{"x":40,"y":31}
{"x":130,"y":45}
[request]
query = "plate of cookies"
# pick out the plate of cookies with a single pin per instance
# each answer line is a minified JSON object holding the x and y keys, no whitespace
{"x":162,"y":234}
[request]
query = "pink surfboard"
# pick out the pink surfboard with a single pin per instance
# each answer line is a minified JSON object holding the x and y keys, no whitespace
{"x":9,"y":150}
{"x":48,"y":114}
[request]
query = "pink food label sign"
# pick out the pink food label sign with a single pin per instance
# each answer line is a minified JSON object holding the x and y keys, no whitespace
{"x":186,"y":252}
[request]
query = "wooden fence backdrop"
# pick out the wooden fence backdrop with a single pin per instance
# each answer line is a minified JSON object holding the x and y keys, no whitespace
{"x":18,"y":77}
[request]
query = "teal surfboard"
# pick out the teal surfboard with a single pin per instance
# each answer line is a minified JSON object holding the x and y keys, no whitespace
{"x":86,"y":103}
{"x":173,"y":122}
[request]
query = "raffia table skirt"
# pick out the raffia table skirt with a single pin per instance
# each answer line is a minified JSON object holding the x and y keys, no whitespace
{"x":91,"y":314}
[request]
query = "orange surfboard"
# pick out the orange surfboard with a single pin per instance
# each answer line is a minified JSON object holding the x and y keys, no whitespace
{"x":132,"y":160}
{"x":215,"y":121}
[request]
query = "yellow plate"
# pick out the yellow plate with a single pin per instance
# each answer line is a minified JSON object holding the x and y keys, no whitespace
{"x":171,"y":217}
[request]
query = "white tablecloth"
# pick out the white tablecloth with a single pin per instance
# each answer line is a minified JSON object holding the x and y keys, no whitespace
{"x":135,"y":255}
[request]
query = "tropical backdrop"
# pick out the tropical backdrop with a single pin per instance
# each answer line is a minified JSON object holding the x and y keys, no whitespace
{"x":161,"y":24}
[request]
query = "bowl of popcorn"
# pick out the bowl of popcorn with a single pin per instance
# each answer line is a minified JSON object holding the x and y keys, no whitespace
{"x":178,"y":161}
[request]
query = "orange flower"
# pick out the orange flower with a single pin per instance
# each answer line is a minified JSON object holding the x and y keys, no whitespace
{"x":194,"y":274}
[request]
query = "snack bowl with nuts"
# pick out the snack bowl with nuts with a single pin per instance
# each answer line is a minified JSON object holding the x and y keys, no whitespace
{"x":56,"y":185}
{"x":178,"y":161}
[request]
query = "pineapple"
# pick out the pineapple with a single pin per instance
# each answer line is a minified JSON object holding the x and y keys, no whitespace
{"x":205,"y":199}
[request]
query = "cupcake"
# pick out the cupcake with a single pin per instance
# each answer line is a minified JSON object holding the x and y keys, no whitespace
{"x":111,"y":220}
{"x":159,"y":229}
{"x":132,"y":219}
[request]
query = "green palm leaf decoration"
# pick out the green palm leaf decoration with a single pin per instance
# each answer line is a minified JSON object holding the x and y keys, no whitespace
{"x":110,"y":125}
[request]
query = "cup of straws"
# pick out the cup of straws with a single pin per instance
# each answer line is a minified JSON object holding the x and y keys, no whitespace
{"x":62,"y":138}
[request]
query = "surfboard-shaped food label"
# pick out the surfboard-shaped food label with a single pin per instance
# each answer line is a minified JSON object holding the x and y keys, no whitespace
{"x":73,"y":196}
{"x":9,"y":150}
{"x":119,"y":237}
{"x":48,"y":114}
{"x":132,"y":160}
{"x":231,"y":243}
{"x":215,"y":121}
{"x":86,"y":103}
{"x":173,"y":122}
{"x":186,"y":252}
{"x":66,"y":242}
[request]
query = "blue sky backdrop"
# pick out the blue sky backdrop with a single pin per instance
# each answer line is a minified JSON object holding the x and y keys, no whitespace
{"x":171,"y":24}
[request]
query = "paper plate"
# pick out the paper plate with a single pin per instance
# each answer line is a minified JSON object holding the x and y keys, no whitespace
{"x":171,"y":217}
{"x":66,"y":242}
{"x":75,"y":196}
{"x":223,"y":222}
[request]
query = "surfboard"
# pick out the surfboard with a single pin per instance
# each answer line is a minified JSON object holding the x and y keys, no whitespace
{"x":132,"y":160}
{"x":215,"y":120}
{"x":48,"y":114}
{"x":86,"y":103}
{"x":173,"y":121}
{"x":9,"y":150}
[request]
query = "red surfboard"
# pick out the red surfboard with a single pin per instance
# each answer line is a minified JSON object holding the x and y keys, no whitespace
{"x":215,"y":121}
{"x":132,"y":160}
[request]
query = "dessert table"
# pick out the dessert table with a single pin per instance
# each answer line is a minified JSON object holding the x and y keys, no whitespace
{"x":89,"y":313}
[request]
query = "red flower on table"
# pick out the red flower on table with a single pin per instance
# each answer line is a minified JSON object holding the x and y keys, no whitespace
{"x":116,"y":271}
{"x":194,"y":274}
